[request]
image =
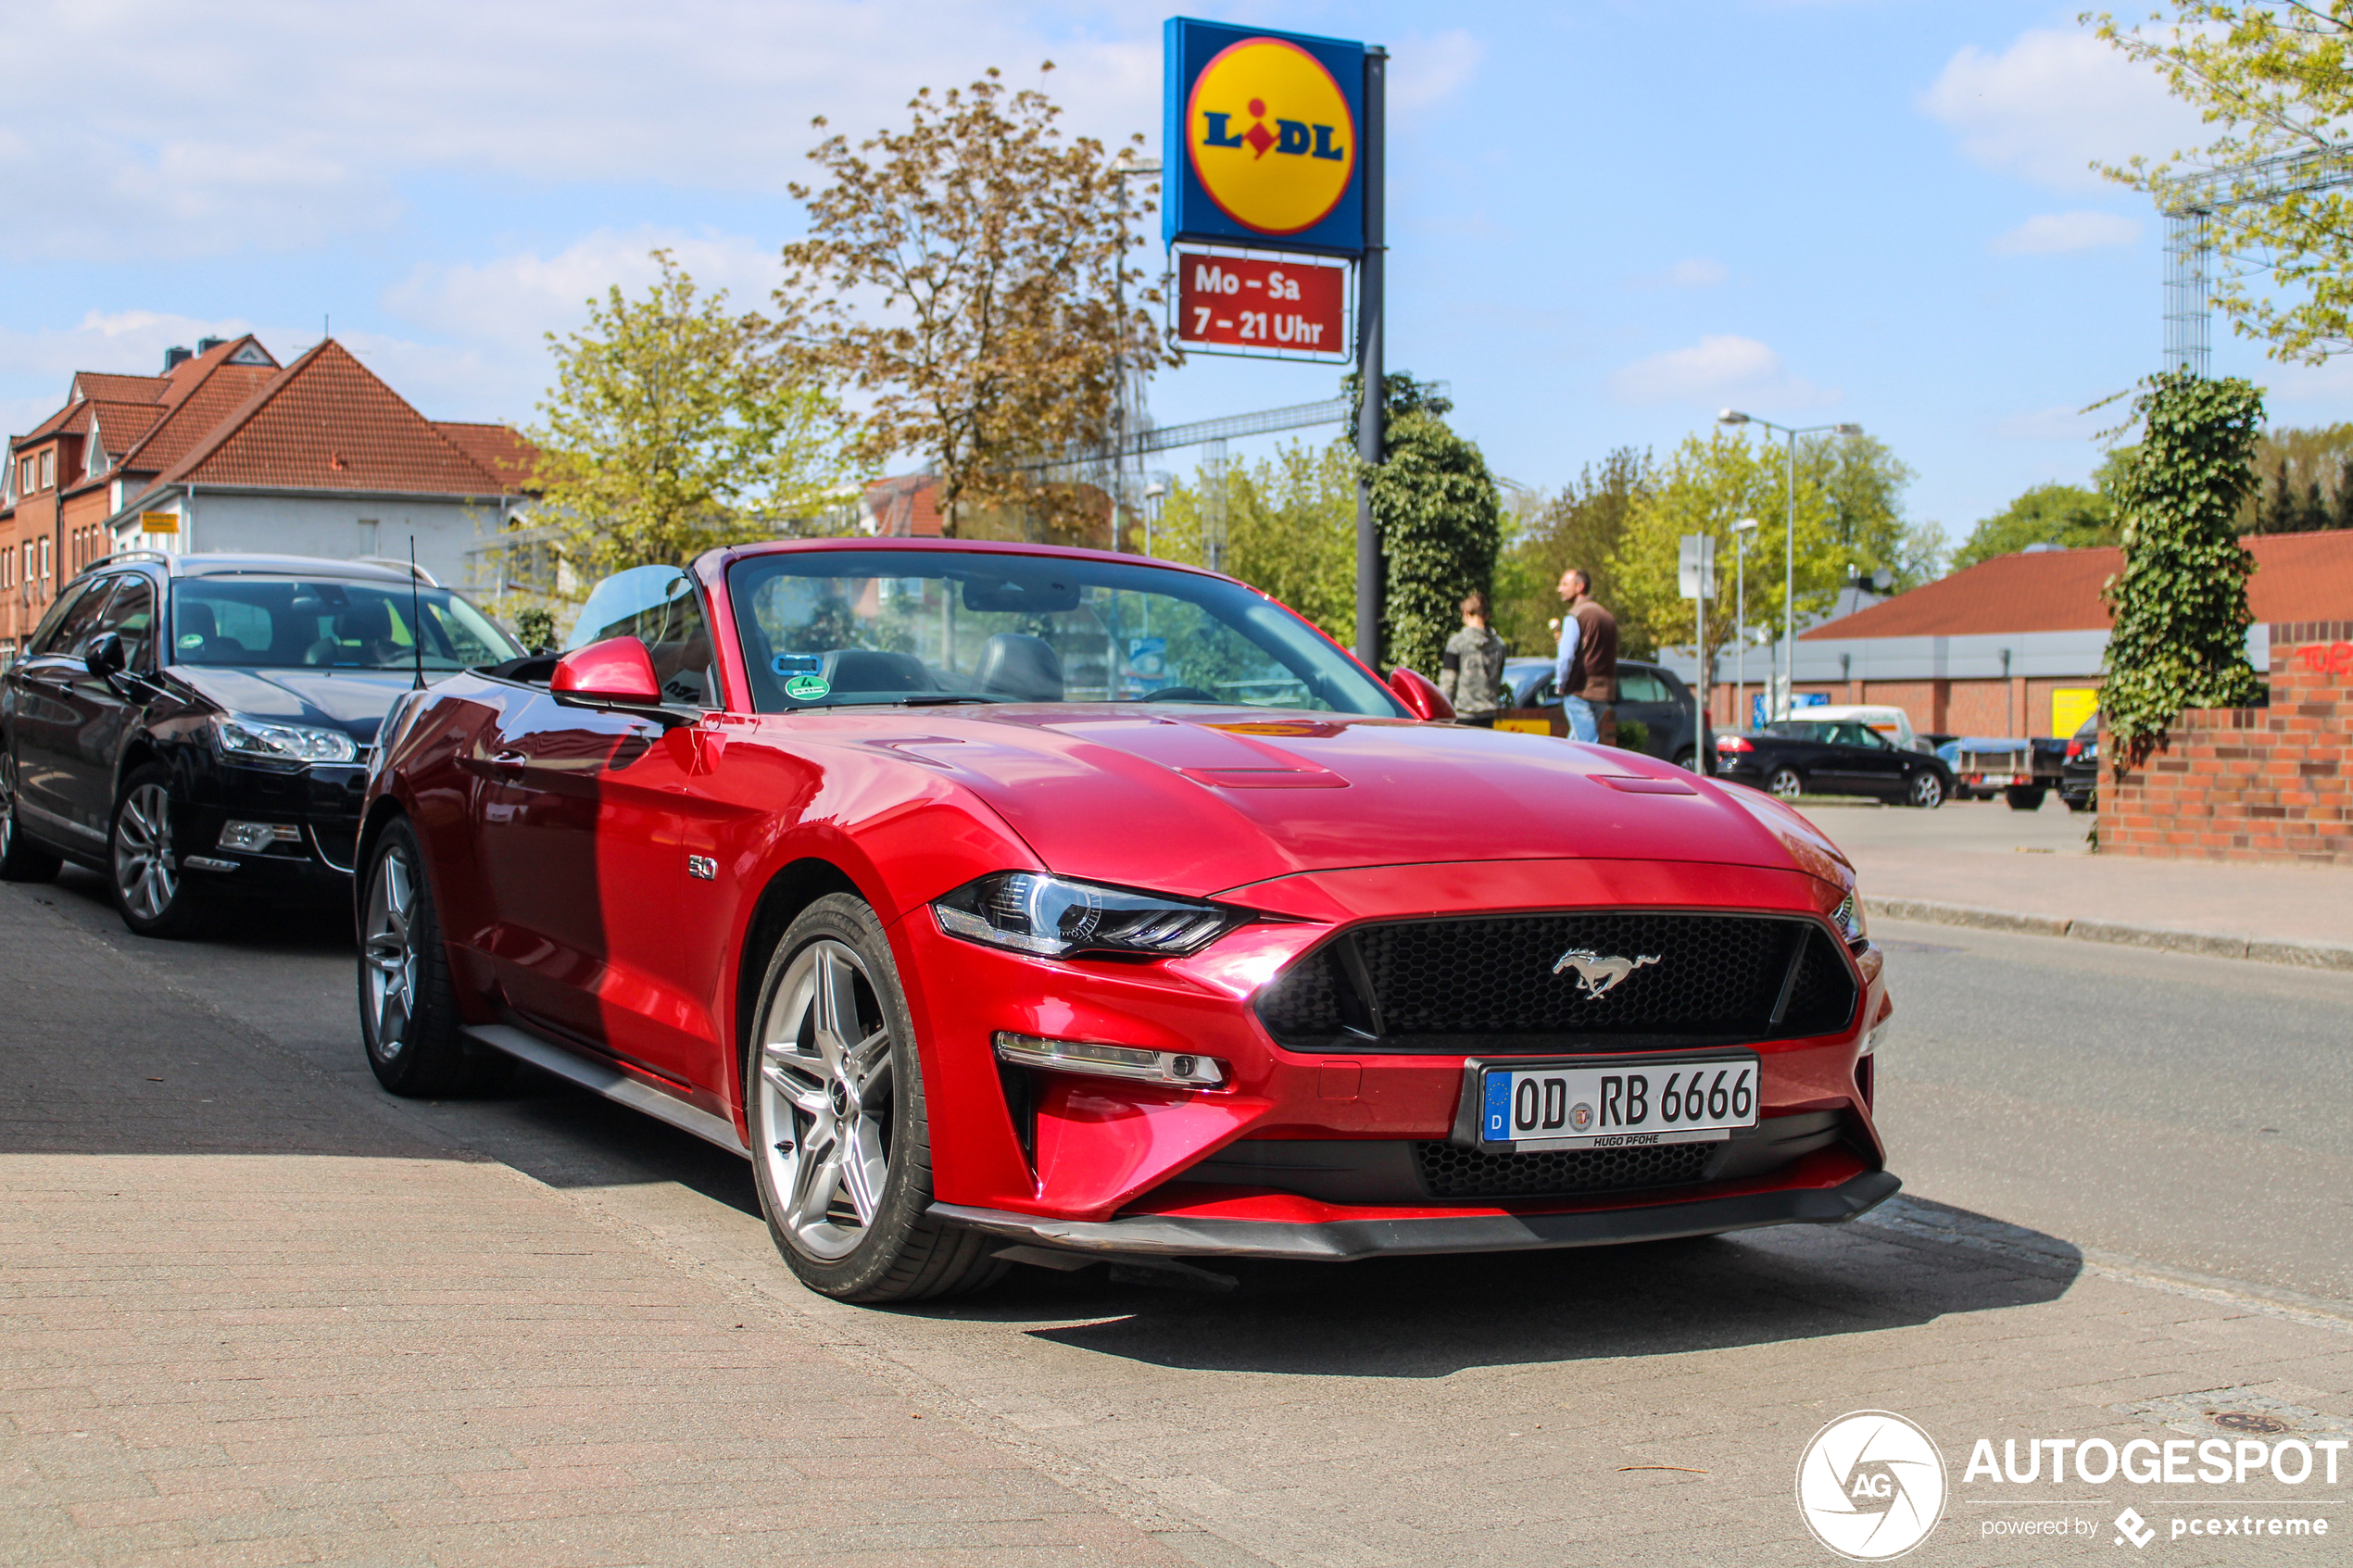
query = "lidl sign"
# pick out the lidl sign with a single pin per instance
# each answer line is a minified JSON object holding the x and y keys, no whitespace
{"x":1261,"y":143}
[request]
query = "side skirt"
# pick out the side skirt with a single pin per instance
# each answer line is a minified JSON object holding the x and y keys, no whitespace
{"x":611,"y":1082}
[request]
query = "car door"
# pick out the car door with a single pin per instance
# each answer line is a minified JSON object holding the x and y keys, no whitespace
{"x":48,"y":723}
{"x":591,"y":818}
{"x":105,"y":707}
{"x":1869,"y":762}
{"x":1643,"y":698}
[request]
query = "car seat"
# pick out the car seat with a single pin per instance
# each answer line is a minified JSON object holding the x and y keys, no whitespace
{"x":1022,"y":668}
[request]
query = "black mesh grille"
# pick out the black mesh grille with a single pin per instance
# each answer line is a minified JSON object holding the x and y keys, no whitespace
{"x":1583,"y":981}
{"x":1450,"y":1170}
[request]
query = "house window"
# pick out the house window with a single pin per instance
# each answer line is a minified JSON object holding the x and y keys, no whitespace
{"x":48,"y":467}
{"x":45,"y":559}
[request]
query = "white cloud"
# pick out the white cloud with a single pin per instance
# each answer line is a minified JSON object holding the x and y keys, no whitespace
{"x":240,"y":128}
{"x":1712,"y":368}
{"x":2052,"y":103}
{"x":2052,"y":233}
{"x":1424,"y":72}
{"x":516,"y":297}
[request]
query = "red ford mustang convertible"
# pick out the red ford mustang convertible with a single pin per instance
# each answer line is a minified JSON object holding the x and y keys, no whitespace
{"x":1012,"y":902}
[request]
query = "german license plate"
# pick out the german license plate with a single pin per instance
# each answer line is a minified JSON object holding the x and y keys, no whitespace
{"x":1650,"y":1102}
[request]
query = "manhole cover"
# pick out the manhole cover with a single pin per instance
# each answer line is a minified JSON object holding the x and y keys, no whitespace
{"x":2247,"y":1420}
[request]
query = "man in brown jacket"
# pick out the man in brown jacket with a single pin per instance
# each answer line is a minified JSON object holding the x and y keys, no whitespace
{"x":1586,"y":673}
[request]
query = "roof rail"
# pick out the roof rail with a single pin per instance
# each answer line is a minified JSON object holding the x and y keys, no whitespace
{"x":133,"y":555}
{"x":427,"y":577}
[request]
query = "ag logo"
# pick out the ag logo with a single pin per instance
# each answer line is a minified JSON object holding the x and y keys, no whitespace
{"x":1270,"y":136}
{"x":1870,"y":1486}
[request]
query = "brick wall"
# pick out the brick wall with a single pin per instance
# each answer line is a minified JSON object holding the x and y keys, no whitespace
{"x":2249,"y":784}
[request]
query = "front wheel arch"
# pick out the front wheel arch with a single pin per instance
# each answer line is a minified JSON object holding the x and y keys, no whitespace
{"x":793,"y":888}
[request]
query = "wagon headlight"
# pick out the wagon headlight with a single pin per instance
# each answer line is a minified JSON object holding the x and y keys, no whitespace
{"x":1052,"y":917}
{"x":284,"y":745}
{"x":1848,"y":918}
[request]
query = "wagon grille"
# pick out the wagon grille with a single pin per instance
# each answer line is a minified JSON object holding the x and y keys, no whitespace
{"x":1488,"y":983}
{"x":1450,"y":1171}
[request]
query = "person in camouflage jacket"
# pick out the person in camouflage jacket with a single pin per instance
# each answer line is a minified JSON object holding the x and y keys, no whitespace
{"x":1471,"y":673}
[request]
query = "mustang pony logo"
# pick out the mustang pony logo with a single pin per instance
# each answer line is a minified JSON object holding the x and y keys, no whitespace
{"x":1596,"y":975}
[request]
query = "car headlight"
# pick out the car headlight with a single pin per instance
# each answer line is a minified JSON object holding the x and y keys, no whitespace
{"x":284,"y":745}
{"x":1052,"y":917}
{"x":1848,"y":918}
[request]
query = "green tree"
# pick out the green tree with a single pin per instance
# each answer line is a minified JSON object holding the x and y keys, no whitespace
{"x":2066,"y":515}
{"x":2180,"y":604}
{"x":1291,"y":530}
{"x":2304,"y":482}
{"x":965,"y":275}
{"x":1848,"y":498}
{"x":2274,"y":78}
{"x":1440,"y":516}
{"x":1583,"y":526}
{"x":673,"y":426}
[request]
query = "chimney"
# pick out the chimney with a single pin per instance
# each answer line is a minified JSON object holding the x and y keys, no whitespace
{"x":175,"y":357}
{"x":207,"y":345}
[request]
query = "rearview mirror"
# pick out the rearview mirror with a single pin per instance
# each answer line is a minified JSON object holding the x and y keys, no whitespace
{"x":103,"y":657}
{"x":1423,"y":700}
{"x":616,"y":673}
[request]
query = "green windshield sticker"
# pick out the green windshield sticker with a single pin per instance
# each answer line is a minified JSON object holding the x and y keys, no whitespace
{"x":807,"y":688}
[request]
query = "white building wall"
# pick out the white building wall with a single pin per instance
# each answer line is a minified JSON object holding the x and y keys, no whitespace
{"x":338,"y":527}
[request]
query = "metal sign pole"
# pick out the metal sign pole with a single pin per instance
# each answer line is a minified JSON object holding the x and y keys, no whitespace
{"x":1372,"y":138}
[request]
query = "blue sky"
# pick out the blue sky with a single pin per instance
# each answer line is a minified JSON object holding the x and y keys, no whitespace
{"x":1608,"y":219}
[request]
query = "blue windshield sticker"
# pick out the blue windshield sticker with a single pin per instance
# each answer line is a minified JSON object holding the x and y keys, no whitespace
{"x":797,"y":663}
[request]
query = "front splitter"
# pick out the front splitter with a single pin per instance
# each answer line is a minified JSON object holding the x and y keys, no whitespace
{"x":1341,"y":1241}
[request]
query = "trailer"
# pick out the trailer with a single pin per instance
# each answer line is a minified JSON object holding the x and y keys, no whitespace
{"x":2022,"y":771}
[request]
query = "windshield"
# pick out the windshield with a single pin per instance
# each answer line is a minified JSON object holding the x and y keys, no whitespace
{"x":285,"y":624}
{"x":832,"y":628}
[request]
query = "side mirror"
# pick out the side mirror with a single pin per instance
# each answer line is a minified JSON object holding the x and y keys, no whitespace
{"x":1423,"y":700}
{"x":616,"y":673}
{"x":104,"y":657}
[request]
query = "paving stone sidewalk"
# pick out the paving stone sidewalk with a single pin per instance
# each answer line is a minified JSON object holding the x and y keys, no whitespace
{"x":251,"y":1313}
{"x":243,"y":1321}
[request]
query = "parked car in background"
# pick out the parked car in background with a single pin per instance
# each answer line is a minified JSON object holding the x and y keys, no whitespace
{"x":990,"y":930}
{"x":197,"y":726}
{"x":1655,"y":698}
{"x":2080,"y":773}
{"x":1795,"y":757}
{"x":1886,"y":719}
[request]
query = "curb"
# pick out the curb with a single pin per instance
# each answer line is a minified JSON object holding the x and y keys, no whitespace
{"x":2299,"y":955}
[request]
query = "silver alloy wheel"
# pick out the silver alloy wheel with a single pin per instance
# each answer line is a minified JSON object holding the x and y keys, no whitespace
{"x":1787,"y":785}
{"x":144,"y":869}
{"x":1927,"y":792}
{"x":825,"y":1094}
{"x":390,"y":955}
{"x":8,"y":804}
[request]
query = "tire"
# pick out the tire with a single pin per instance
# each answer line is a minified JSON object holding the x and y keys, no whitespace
{"x":142,"y":863}
{"x":1927,"y":791}
{"x":408,"y":1020}
{"x":2078,"y":803}
{"x":833,"y":1068}
{"x":21,"y":859}
{"x":2023,"y":798}
{"x":1683,"y":759}
{"x":1785,"y":783}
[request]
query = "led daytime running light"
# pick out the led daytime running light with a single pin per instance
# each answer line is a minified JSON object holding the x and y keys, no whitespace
{"x":1848,"y":918}
{"x":1181,"y":1068}
{"x":1052,"y":917}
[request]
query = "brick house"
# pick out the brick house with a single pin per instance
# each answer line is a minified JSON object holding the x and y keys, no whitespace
{"x":2012,"y":646}
{"x":227,"y":450}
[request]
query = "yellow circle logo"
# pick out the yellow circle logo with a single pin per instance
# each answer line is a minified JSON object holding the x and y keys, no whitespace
{"x":1270,"y":136}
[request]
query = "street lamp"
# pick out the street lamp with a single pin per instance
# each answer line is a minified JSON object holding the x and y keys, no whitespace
{"x":1742,"y":531}
{"x":1788,"y":565}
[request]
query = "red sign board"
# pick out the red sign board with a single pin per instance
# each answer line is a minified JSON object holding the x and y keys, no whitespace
{"x":1280,"y":307}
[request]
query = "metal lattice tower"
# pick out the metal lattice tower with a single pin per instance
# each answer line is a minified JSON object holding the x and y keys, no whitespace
{"x":2190,"y":204}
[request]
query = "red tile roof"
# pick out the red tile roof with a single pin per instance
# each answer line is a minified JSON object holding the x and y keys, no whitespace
{"x":2298,"y":577}
{"x":107,"y":385}
{"x":906,"y":506}
{"x":326,"y":422}
{"x":120,"y":425}
{"x":500,"y":449}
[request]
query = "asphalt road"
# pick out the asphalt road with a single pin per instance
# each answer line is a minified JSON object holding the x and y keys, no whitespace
{"x":2185,"y":1112}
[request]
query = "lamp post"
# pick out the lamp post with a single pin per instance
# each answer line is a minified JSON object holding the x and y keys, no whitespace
{"x":1789,"y":566}
{"x":1742,"y":531}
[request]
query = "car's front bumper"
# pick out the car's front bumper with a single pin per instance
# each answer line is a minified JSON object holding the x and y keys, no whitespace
{"x":1339,"y":1236}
